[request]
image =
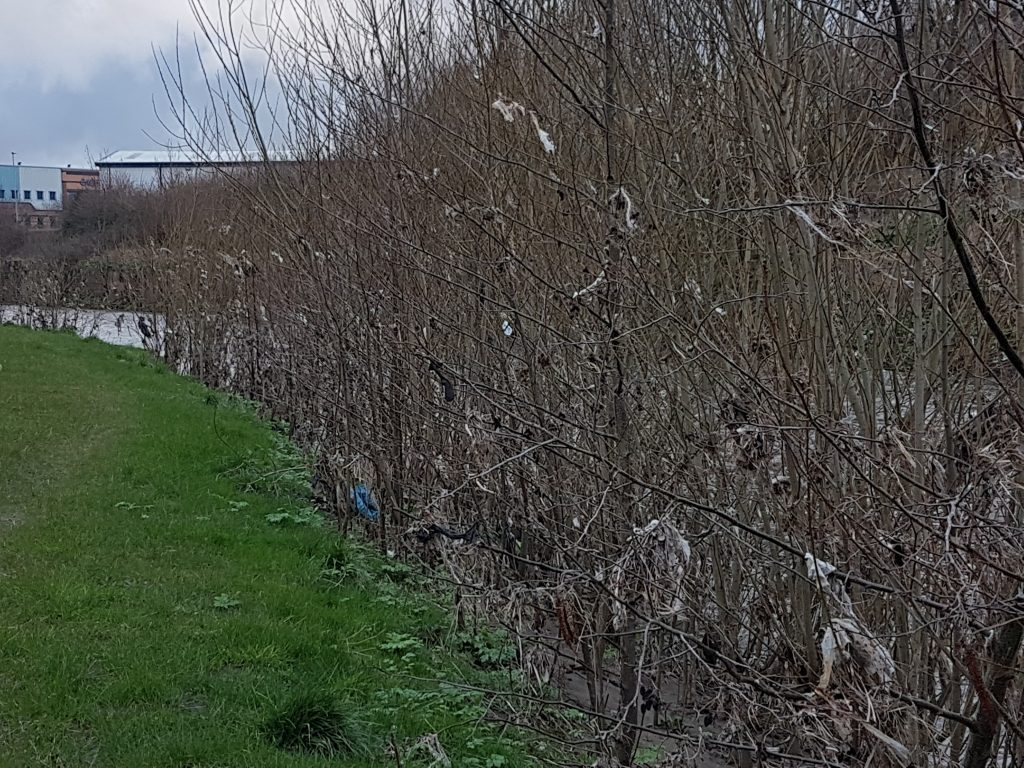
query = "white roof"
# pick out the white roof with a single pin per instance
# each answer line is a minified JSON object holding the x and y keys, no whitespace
{"x":146,"y":157}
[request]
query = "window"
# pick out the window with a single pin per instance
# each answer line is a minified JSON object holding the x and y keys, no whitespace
{"x":39,"y":194}
{"x":39,"y":221}
{"x":2,"y":193}
{"x":14,"y":194}
{"x":27,"y":194}
{"x":53,"y":195}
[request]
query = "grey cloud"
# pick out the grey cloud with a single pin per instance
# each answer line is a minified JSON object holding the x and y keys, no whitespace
{"x":62,"y":125}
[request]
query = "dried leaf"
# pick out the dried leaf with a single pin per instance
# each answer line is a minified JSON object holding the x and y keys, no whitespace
{"x":897,"y":749}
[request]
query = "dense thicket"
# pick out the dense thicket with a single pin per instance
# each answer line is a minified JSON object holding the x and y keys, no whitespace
{"x":704,"y":314}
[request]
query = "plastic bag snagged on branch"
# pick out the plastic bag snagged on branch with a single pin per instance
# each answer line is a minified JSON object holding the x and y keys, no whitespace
{"x":363,"y":503}
{"x":649,"y":573}
{"x":845,"y":636}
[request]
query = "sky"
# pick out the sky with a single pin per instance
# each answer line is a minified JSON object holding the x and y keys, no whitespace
{"x":78,"y":77}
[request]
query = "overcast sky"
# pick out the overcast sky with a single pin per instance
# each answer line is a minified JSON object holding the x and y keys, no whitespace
{"x":78,"y":76}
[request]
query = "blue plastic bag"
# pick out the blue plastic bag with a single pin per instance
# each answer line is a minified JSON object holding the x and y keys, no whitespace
{"x":364,"y":504}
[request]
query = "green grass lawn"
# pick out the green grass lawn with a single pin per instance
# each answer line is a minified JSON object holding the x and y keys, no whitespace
{"x":166,"y":601}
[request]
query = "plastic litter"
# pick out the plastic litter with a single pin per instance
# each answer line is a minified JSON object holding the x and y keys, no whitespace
{"x":364,"y":504}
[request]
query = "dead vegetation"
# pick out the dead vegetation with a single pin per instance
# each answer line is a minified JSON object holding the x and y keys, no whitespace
{"x":696,"y":322}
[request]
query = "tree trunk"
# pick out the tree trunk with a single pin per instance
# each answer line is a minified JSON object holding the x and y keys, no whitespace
{"x":992,"y":691}
{"x":629,"y":696}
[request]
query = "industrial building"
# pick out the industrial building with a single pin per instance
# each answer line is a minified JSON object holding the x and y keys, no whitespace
{"x":35,"y":195}
{"x":35,"y":187}
{"x":74,"y":181}
{"x":157,"y":169}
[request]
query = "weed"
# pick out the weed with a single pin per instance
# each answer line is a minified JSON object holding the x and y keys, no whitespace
{"x":317,"y":725}
{"x":395,"y":570}
{"x":399,"y":642}
{"x":282,"y":470}
{"x":489,"y":649}
{"x":302,"y":516}
{"x":647,"y":756}
{"x":225,"y":602}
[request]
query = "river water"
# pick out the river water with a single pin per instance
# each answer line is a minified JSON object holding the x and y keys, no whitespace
{"x":127,"y":329}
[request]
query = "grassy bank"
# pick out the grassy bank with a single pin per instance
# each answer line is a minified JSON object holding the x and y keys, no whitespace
{"x":167,"y":599}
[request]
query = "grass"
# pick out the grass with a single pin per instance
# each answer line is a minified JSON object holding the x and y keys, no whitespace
{"x":168,"y":599}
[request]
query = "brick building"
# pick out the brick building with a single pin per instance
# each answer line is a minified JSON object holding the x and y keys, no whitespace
{"x":34,"y":196}
{"x":77,"y":180}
